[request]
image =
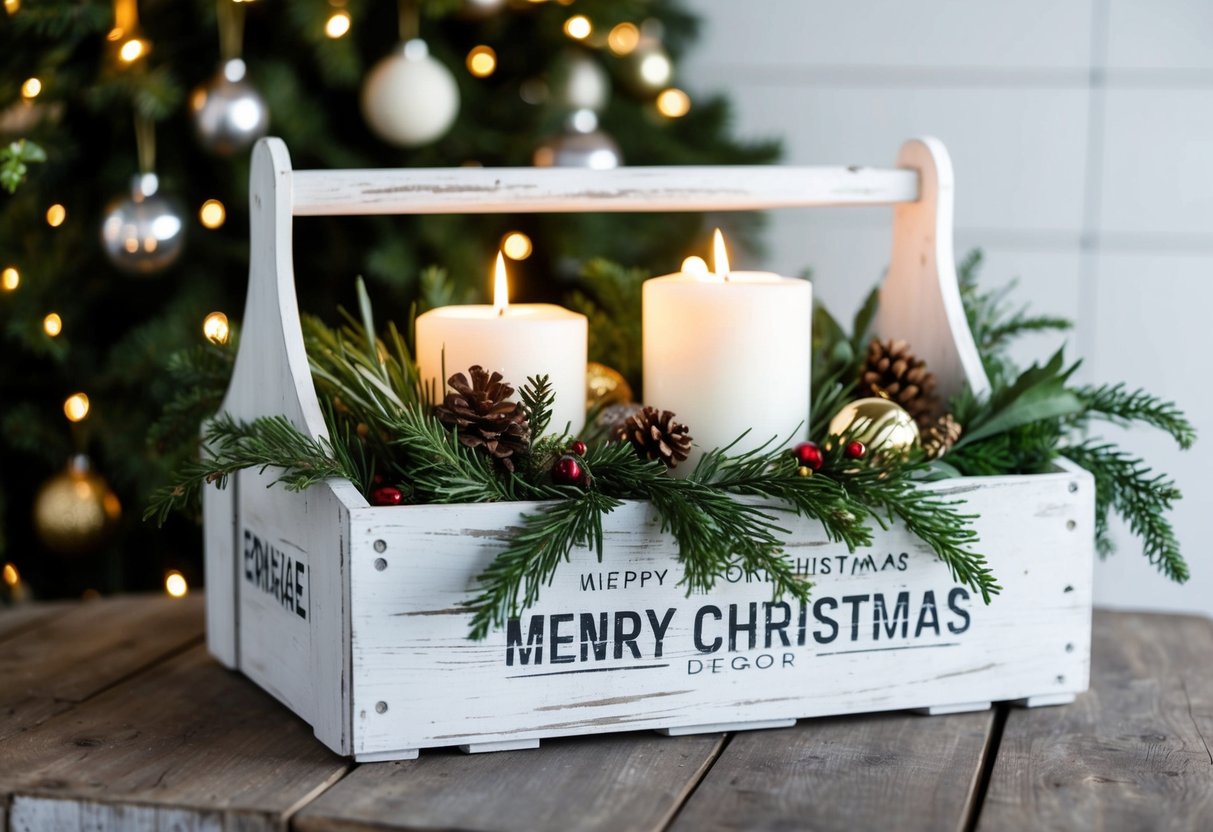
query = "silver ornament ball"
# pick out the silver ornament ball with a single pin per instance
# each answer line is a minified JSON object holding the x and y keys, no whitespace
{"x":229,"y":113}
{"x":581,"y":145}
{"x":480,"y":9}
{"x":143,"y":233}
{"x":408,"y":98}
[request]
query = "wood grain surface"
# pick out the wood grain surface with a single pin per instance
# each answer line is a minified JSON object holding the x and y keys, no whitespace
{"x":634,"y":782}
{"x":879,"y":772}
{"x":1132,"y":754}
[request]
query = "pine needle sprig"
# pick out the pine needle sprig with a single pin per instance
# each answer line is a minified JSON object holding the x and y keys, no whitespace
{"x":1116,"y":404}
{"x":1142,"y":498}
{"x":230,"y":446}
{"x":537,"y":398}
{"x":935,"y":520}
{"x":442,"y":470}
{"x":545,"y":539}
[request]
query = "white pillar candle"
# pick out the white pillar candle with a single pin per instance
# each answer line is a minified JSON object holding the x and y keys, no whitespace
{"x":517,"y":340}
{"x":729,"y":352}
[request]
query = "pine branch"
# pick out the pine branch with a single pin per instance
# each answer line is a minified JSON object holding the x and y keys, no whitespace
{"x":546,"y":539}
{"x":1120,"y":406}
{"x":442,"y":470}
{"x":537,"y":399}
{"x":230,"y":446}
{"x":15,"y":159}
{"x":1124,"y":483}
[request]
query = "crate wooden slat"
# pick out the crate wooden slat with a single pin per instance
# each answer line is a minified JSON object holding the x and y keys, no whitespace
{"x":1137,"y":753}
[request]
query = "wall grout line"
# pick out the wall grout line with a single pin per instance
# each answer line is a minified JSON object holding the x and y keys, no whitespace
{"x":1088,"y":277}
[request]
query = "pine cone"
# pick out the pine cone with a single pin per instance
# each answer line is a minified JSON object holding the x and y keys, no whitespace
{"x":484,"y":416}
{"x":893,"y":372}
{"x":940,"y":436}
{"x":655,"y":435}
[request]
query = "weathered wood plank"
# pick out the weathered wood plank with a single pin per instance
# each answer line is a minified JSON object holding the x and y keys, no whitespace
{"x":880,"y":772}
{"x":1133,"y":753}
{"x":185,"y":745}
{"x":633,"y":781}
{"x":14,"y":620}
{"x":67,"y":658}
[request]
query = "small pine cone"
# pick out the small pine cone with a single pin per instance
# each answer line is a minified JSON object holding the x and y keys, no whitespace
{"x":940,"y":436}
{"x":893,"y":372}
{"x":484,"y":416}
{"x":655,"y":435}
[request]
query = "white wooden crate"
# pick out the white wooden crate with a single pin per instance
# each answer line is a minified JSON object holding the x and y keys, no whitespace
{"x":350,"y":614}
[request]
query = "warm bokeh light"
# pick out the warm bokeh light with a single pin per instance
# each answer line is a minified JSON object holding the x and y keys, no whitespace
{"x":695,"y":265}
{"x":655,"y":69}
{"x":11,"y":576}
{"x":578,"y":27}
{"x":52,"y":324}
{"x":501,"y":287}
{"x":55,"y":215}
{"x":673,"y":103}
{"x":31,"y":88}
{"x":482,"y":61}
{"x":216,"y":328}
{"x":75,"y":407}
{"x":624,"y":38}
{"x":10,"y":279}
{"x":133,"y":50}
{"x":338,"y":24}
{"x":212,"y":214}
{"x":175,"y":584}
{"x":516,"y":245}
{"x":12,"y":6}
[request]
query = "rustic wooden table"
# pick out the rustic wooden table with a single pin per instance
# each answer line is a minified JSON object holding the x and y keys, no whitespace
{"x":112,"y":716}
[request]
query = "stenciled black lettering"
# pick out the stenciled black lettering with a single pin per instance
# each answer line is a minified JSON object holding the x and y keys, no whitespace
{"x":958,"y":593}
{"x":534,"y":641}
{"x":703,"y":612}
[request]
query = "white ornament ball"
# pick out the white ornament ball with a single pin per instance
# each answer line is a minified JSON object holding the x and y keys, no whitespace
{"x":581,"y":145}
{"x":582,"y":83}
{"x":408,"y":98}
{"x":143,"y":233}
{"x":480,"y":9}
{"x":229,"y":113}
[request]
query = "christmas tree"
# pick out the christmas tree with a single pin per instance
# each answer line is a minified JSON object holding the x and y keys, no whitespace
{"x":123,"y":224}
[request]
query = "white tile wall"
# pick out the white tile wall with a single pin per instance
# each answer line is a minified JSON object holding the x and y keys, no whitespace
{"x":1081,"y":134}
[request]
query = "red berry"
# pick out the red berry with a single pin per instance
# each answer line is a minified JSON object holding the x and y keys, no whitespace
{"x":855,"y":450}
{"x":568,"y":471}
{"x":809,"y":455}
{"x":578,"y":448}
{"x":387,"y":495}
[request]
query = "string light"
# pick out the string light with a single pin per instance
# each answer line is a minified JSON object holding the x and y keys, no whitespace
{"x":482,"y":61}
{"x":55,"y":215}
{"x":578,"y":27}
{"x":11,"y":576}
{"x":10,"y":279}
{"x":624,"y":38}
{"x":673,"y":103}
{"x":133,"y":50}
{"x":516,"y":245}
{"x":695,"y":265}
{"x":338,"y":24}
{"x":12,"y":6}
{"x":212,"y":214}
{"x":52,"y":324}
{"x":175,"y":584}
{"x":75,"y":407}
{"x":216,"y":328}
{"x":31,"y":88}
{"x":655,"y":69}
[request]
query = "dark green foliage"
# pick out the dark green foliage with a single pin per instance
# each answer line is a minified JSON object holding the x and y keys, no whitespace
{"x":1115,"y":404}
{"x":838,"y":359}
{"x":537,"y":399}
{"x":15,"y":160}
{"x":610,"y":300}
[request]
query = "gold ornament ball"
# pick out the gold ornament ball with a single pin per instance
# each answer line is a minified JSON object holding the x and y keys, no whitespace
{"x":605,"y":386}
{"x":75,"y":509}
{"x":883,"y":426}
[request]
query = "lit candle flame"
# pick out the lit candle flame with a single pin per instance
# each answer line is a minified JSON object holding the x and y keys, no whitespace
{"x":720,"y":257}
{"x":501,"y":288}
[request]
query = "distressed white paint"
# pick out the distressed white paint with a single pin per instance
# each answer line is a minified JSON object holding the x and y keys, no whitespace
{"x":219,"y":536}
{"x":381,"y":665}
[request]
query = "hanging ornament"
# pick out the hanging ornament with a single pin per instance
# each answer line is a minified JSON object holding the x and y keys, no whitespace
{"x":578,"y":448}
{"x":568,"y":471}
{"x":143,"y":233}
{"x":581,"y":145}
{"x":580,"y":82}
{"x":878,"y":425}
{"x":808,"y":454}
{"x":229,"y":113}
{"x":648,"y":69}
{"x":855,"y":450}
{"x":605,"y":386}
{"x":408,"y":98}
{"x":75,"y":510}
{"x":480,"y":9}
